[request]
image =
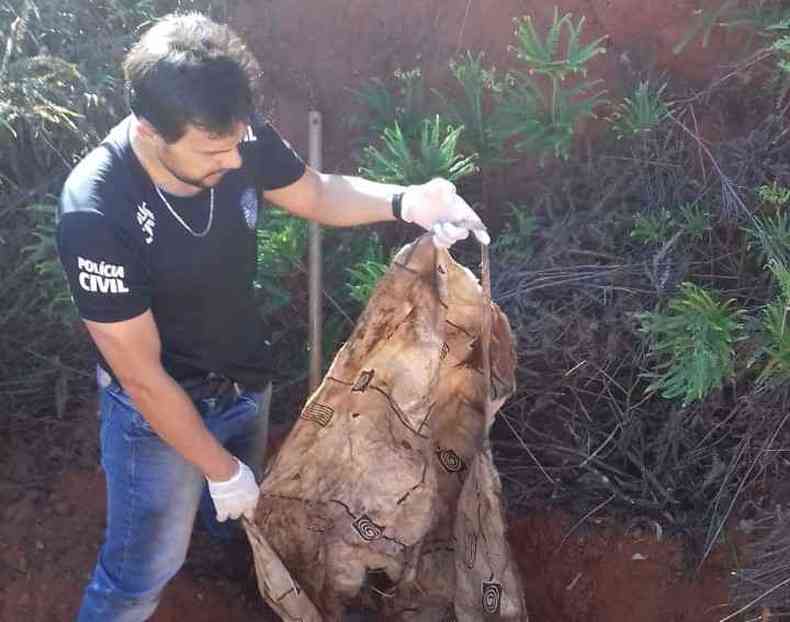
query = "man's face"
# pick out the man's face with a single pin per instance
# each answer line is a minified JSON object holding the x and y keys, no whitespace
{"x":200,"y":158}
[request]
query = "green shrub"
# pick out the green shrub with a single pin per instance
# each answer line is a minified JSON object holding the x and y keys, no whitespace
{"x":282,"y":241}
{"x":774,"y":194}
{"x":364,"y":275}
{"x":404,"y":160}
{"x":543,"y":56}
{"x":695,"y":220}
{"x":691,"y":219}
{"x":477,"y":109}
{"x":41,"y":255}
{"x":542,"y":115}
{"x":514,"y":244}
{"x":407,"y":107}
{"x":769,"y":236}
{"x":641,"y":113}
{"x":693,"y":341}
{"x":775,"y":330}
{"x":767,"y":22}
{"x":653,"y":228}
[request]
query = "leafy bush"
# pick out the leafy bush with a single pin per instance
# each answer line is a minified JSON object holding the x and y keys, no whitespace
{"x":640,"y":113}
{"x":282,"y":240}
{"x":364,"y":275}
{"x":775,"y":330}
{"x":514,"y":243}
{"x":653,"y":228}
{"x":773,"y":194}
{"x":691,"y":220}
{"x":543,"y":57}
{"x":41,"y":254}
{"x":770,"y":237}
{"x":407,"y":107}
{"x":694,"y":341}
{"x":767,"y":22}
{"x":477,"y":109}
{"x":695,"y":220}
{"x":543,"y":117}
{"x":403,"y":160}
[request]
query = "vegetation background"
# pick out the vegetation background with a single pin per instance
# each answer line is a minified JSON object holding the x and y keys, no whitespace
{"x":637,"y":188}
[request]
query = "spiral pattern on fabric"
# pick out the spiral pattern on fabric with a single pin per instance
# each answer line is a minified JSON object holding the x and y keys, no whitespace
{"x":367,"y":529}
{"x":492,"y":597}
{"x":451,"y":461}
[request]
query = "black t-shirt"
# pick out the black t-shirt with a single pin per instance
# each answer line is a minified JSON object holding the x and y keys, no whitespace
{"x":124,"y":252}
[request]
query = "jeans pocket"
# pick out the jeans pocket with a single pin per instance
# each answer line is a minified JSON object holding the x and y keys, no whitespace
{"x":139,"y":423}
{"x":131,"y":420}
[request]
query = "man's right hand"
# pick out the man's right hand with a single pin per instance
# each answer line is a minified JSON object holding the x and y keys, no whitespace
{"x":133,"y":350}
{"x":235,"y":496}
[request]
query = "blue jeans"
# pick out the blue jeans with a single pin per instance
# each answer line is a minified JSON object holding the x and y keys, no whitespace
{"x":153,"y":497}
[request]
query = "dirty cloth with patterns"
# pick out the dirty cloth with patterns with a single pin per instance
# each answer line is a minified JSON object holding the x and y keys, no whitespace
{"x":385,"y":492}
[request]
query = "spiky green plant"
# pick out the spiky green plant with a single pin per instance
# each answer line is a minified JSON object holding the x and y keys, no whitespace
{"x":775,"y":329}
{"x":434,"y":153}
{"x":379,"y":105}
{"x":39,"y":105}
{"x":476,"y":110}
{"x":640,"y":113}
{"x":774,"y":194}
{"x":693,"y":341}
{"x":364,"y":275}
{"x":403,"y":100}
{"x":766,"y":22}
{"x":769,"y":237}
{"x":764,"y":19}
{"x":695,"y":220}
{"x":41,"y":254}
{"x":654,"y":227}
{"x":538,"y":110}
{"x":546,"y":124}
{"x":515,"y":243}
{"x":281,"y":246}
{"x":544,"y":56}
{"x":705,"y":22}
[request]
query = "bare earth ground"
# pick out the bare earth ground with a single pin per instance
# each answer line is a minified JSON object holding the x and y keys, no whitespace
{"x":52,"y":517}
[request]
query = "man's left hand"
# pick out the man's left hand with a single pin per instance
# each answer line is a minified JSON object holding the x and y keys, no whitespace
{"x":436,"y":207}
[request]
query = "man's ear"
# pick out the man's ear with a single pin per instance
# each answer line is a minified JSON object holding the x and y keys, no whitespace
{"x":147,"y":130}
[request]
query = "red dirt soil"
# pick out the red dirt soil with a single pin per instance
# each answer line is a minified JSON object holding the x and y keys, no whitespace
{"x":51,"y":529}
{"x":313,"y":53}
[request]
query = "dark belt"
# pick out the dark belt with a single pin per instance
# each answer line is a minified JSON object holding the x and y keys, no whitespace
{"x":211,"y":386}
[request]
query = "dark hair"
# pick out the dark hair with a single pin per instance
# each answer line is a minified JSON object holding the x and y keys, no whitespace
{"x":187,"y":69}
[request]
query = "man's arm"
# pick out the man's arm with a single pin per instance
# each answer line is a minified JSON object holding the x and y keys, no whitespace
{"x":132,"y":348}
{"x":342,"y":200}
{"x":336,"y":200}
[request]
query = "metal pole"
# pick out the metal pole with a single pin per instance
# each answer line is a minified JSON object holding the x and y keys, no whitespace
{"x":314,"y":152}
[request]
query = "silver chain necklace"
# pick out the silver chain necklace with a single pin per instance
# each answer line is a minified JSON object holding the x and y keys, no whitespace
{"x":196,"y":234}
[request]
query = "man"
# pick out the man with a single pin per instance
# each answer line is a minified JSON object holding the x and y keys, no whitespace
{"x":157,"y":236}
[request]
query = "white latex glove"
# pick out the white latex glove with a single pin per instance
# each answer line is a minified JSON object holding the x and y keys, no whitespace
{"x":235,"y":496}
{"x":436,"y":207}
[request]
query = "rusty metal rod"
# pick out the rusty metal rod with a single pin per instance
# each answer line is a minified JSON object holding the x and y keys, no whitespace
{"x":315,"y":319}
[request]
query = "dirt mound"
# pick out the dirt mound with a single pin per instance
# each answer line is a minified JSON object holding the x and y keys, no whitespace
{"x":50,"y":533}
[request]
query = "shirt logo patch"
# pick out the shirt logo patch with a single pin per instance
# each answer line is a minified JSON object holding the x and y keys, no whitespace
{"x":101,"y":277}
{"x":249,"y":206}
{"x":147,"y":221}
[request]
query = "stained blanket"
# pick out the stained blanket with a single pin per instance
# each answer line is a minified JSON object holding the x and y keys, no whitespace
{"x":385,"y":491}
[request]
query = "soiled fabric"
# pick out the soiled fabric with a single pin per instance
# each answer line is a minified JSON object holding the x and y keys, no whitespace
{"x":385,"y":491}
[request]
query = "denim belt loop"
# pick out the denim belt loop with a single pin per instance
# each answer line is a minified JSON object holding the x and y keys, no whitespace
{"x":103,"y":378}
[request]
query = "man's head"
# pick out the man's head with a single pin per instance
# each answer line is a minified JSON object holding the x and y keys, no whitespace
{"x":187,"y":70}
